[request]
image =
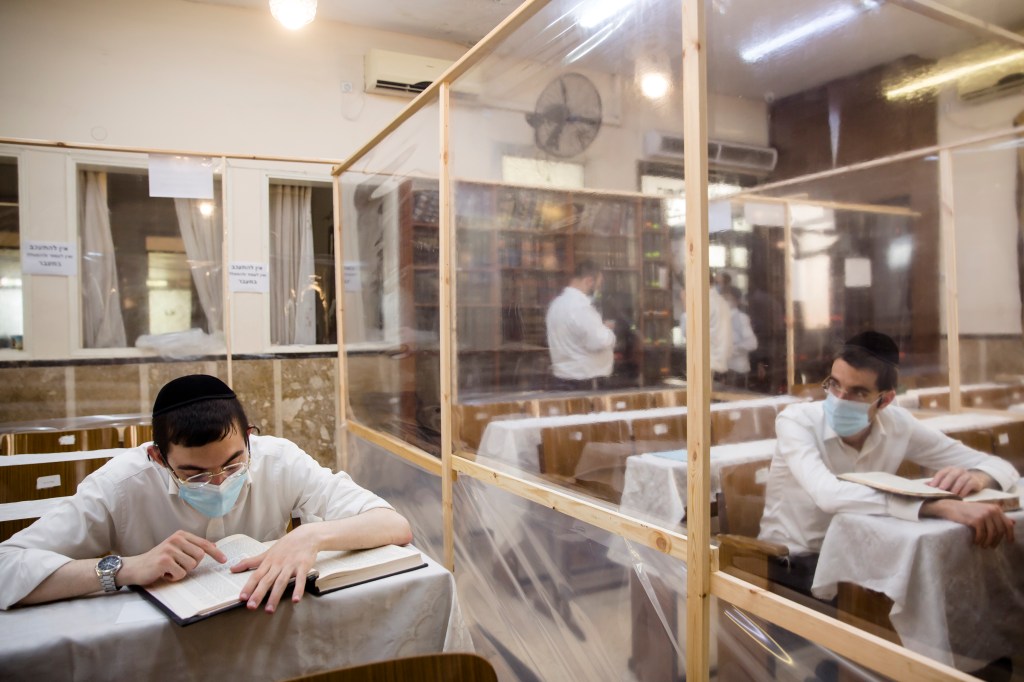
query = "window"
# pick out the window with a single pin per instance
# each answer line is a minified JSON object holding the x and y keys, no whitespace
{"x":150,"y":265}
{"x":11,"y":307}
{"x":302,"y":298}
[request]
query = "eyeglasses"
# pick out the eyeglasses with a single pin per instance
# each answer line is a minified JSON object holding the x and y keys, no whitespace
{"x":207,"y":477}
{"x":859,"y":395}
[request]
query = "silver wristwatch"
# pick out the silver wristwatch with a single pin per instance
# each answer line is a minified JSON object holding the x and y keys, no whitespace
{"x":106,"y":570}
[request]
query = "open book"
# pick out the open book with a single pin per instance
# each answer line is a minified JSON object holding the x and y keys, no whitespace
{"x":918,"y":487}
{"x":212,"y":588}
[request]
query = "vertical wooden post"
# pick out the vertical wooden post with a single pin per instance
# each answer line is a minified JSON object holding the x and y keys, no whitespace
{"x":446,"y":245}
{"x":787,"y":251}
{"x":341,"y":398}
{"x":225,"y":269}
{"x":698,"y":366}
{"x":948,"y":223}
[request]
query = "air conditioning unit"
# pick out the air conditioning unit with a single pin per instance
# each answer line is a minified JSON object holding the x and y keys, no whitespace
{"x":396,"y":73}
{"x":992,"y":86}
{"x":721,"y":155}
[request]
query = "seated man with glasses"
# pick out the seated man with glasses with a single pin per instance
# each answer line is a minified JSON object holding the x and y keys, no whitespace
{"x":156,"y":511}
{"x":859,"y":428}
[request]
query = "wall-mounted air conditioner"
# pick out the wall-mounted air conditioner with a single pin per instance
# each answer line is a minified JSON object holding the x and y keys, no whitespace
{"x":991,"y":86}
{"x":721,"y":155}
{"x":396,"y":73}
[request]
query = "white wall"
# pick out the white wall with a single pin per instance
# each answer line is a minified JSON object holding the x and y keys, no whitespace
{"x":184,"y":75}
{"x":987,"y":223}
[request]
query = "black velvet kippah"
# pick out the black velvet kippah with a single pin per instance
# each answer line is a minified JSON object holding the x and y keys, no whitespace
{"x":194,"y":388}
{"x":878,"y":345}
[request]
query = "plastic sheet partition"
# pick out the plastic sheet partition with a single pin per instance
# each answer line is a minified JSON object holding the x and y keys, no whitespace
{"x":390,"y":205}
{"x":989,"y":224}
{"x":548,"y":597}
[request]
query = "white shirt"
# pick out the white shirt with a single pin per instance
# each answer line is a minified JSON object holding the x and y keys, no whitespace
{"x":743,"y":342}
{"x":803,"y":492}
{"x":719,"y":330}
{"x":581,"y":346}
{"x":131,"y":505}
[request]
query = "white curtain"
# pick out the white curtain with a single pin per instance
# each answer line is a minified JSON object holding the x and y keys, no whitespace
{"x":102,"y":323}
{"x":294,"y":292}
{"x":202,"y":237}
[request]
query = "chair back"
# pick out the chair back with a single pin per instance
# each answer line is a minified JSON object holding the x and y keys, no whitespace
{"x":810,"y":391}
{"x":556,"y":407}
{"x":657,"y":434}
{"x":1008,"y":443}
{"x":741,"y":502}
{"x":977,"y":438}
{"x":743,"y":424}
{"x":137,"y":434}
{"x":22,"y":480}
{"x":471,"y":420}
{"x":442,"y":667}
{"x":74,"y":440}
{"x":561,"y":446}
{"x":624,"y":402}
{"x":671,"y":398}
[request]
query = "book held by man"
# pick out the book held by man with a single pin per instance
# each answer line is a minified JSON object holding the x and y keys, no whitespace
{"x":212,"y":588}
{"x":1008,"y":500}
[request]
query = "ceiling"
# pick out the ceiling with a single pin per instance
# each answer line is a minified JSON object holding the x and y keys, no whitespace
{"x":882,"y":33}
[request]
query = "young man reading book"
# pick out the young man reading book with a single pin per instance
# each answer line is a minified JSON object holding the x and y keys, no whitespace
{"x":155,"y":512}
{"x":858,"y":428}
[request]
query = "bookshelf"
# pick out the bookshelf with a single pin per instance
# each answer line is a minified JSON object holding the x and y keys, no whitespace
{"x":516,"y":248}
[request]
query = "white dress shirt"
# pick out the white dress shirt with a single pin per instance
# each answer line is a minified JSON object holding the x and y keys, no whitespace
{"x":581,"y":345}
{"x":719,"y":331}
{"x":743,"y":342}
{"x":131,"y":505}
{"x":803,"y":492}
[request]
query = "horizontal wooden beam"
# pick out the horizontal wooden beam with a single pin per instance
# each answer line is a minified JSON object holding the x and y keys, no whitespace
{"x":861,"y":647}
{"x":397,"y":446}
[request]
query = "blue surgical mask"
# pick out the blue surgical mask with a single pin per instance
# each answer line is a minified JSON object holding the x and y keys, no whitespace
{"x":214,"y":500}
{"x":846,"y":417}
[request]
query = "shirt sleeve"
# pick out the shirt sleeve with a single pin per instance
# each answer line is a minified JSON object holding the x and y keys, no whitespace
{"x":326,"y":495}
{"x":78,"y":528}
{"x":935,"y":450}
{"x":801,"y":451}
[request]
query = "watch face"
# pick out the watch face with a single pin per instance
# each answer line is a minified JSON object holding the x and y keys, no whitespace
{"x":109,"y":563}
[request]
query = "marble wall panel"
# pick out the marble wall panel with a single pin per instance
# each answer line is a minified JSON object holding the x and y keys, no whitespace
{"x":108,"y":389}
{"x":308,"y":406}
{"x":33,"y":393}
{"x":254,"y":384}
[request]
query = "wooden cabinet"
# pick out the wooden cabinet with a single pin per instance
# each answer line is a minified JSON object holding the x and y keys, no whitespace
{"x":516,"y":249}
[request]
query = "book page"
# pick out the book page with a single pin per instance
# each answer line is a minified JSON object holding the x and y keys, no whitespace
{"x":333,"y":566}
{"x":892,"y":483}
{"x":210,"y":585}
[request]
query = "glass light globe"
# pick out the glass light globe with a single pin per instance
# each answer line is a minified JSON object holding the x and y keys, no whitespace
{"x":293,"y":14}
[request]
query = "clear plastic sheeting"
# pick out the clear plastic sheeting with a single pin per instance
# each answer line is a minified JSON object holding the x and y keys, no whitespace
{"x":413,"y":492}
{"x":549,"y":597}
{"x":750,"y":649}
{"x":390,"y":208}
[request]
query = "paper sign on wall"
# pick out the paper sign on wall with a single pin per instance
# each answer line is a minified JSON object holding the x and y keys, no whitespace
{"x":858,"y":272}
{"x":353,"y":279}
{"x":719,"y":216}
{"x":765,"y":214}
{"x":249,"y":277}
{"x":49,"y":258}
{"x":180,"y":177}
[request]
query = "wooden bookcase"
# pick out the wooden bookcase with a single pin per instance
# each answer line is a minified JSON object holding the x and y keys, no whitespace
{"x":516,"y":248}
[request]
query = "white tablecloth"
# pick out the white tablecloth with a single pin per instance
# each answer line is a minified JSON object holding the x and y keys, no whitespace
{"x":965,"y":420}
{"x":121,"y":636}
{"x":515,"y":441}
{"x":655,"y":484}
{"x":955,"y":602}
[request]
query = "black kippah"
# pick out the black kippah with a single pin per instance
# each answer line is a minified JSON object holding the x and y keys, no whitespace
{"x":194,"y":388}
{"x":877,"y":345}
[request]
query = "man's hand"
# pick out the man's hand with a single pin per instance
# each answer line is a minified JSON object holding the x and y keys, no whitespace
{"x":171,"y":560}
{"x":290,"y":557}
{"x":961,"y":482}
{"x":989,"y":523}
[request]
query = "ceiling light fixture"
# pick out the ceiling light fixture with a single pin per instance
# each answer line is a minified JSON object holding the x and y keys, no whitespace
{"x":654,"y":85}
{"x":943,"y":76}
{"x":819,"y":24}
{"x":293,"y":14}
